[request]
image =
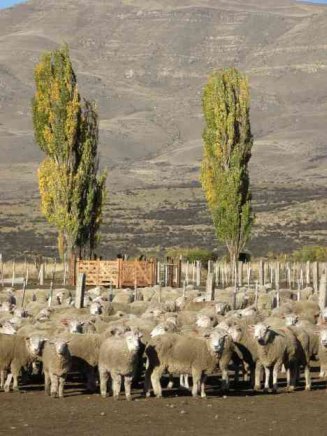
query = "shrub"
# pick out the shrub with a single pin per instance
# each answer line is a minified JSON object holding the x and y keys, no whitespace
{"x":312,"y":253}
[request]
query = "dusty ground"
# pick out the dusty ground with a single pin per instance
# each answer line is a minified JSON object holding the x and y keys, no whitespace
{"x":241,"y":413}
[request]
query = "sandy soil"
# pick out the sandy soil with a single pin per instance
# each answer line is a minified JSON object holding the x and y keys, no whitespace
{"x":239,"y":413}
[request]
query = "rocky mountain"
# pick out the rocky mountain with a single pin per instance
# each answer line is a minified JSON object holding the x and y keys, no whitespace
{"x":145,"y":62}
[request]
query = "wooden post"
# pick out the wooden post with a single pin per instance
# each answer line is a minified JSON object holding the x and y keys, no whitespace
{"x":277,"y":272}
{"x":307,"y":273}
{"x":210,"y":287}
{"x":80,"y":290}
{"x":289,"y":280}
{"x":261,"y":273}
{"x":315,"y":276}
{"x":209,"y":266}
{"x":217,"y":273}
{"x":135,"y":289}
{"x":41,"y":275}
{"x":187,"y":272}
{"x":193,"y":273}
{"x":278,"y":298}
{"x":2,"y":278}
{"x":159,"y":296}
{"x":256,"y":294}
{"x":248,"y":273}
{"x":24,"y":290}
{"x":50,"y":294}
{"x":323,"y":291}
{"x":13,"y":274}
{"x":184,"y":289}
{"x":179,"y":273}
{"x":240,"y":273}
{"x":26,"y":276}
{"x":198,"y":273}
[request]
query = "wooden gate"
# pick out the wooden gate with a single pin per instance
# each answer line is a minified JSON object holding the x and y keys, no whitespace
{"x":119,"y":273}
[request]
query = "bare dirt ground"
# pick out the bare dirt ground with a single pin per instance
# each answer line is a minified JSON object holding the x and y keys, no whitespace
{"x":238,"y":413}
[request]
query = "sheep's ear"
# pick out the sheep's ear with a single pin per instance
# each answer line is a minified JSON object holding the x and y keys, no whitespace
{"x":206,"y":335}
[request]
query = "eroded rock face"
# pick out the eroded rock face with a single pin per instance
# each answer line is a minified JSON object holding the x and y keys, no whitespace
{"x":145,"y":63}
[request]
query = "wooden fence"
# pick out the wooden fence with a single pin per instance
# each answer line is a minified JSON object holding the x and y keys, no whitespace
{"x":119,"y":273}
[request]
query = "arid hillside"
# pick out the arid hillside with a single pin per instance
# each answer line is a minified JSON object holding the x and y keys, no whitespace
{"x":145,"y":63}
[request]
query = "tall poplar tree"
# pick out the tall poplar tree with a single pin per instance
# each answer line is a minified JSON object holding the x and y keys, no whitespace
{"x":66,"y":129}
{"x":228,"y":142}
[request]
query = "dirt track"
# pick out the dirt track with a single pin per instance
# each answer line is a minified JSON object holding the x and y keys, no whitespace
{"x":32,"y":413}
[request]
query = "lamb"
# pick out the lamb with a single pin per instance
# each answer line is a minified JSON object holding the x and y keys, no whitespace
{"x":276,"y":347}
{"x":118,"y":358}
{"x":16,"y":353}
{"x":183,"y":355}
{"x":56,"y":360}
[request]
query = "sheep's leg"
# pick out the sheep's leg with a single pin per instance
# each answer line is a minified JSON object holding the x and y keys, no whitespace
{"x":15,"y":383}
{"x":47,"y":383}
{"x":307,"y":377}
{"x":257,"y":376}
{"x":155,"y":380}
{"x":54,"y":385}
{"x":171,"y":382}
{"x":203,"y":381}
{"x":104,"y":377}
{"x":91,"y":383}
{"x":128,"y":387}
{"x":292,"y":377}
{"x":196,"y":383}
{"x":147,"y":381}
{"x":2,"y":379}
{"x":186,"y":381}
{"x":181,"y":381}
{"x":8,"y":382}
{"x":267,"y":375}
{"x":224,"y":380}
{"x":275,"y":377}
{"x":61,"y":387}
{"x":116,"y":385}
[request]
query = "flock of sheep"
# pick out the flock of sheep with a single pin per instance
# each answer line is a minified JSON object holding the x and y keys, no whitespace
{"x":172,"y":332}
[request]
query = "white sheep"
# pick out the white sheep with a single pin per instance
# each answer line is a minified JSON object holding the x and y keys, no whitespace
{"x":56,"y":360}
{"x":118,"y":358}
{"x":17,"y":352}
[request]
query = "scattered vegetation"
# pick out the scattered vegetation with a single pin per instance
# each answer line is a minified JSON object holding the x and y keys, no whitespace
{"x":192,"y":254}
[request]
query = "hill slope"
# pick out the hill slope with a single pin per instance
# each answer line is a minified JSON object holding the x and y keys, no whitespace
{"x":145,"y":63}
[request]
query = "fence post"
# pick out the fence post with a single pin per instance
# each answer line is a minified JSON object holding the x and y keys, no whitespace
{"x":210,"y":287}
{"x":315,"y":276}
{"x":261,"y":273}
{"x":41,"y":275}
{"x":24,"y":290}
{"x":307,"y":273}
{"x":198,"y":273}
{"x":323,"y":291}
{"x":13,"y":274}
{"x":187,"y":272}
{"x":277,"y":270}
{"x":179,"y":273}
{"x":2,"y":279}
{"x":240,"y":273}
{"x":80,"y":290}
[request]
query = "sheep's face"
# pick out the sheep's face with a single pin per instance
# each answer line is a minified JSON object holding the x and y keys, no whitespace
{"x":217,"y":341}
{"x":76,"y":326}
{"x":8,"y":328}
{"x":291,"y":319}
{"x":220,"y":308}
{"x":160,"y":329}
{"x":261,"y":333}
{"x":204,"y":321}
{"x":236,"y":332}
{"x":95,"y":309}
{"x":323,"y":338}
{"x":20,"y":313}
{"x":60,"y":346}
{"x":35,"y":345}
{"x":248,"y":312}
{"x":5,"y":307}
{"x":132,"y":341}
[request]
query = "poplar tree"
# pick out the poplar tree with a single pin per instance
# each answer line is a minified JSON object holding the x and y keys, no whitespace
{"x":66,"y":129}
{"x":228,"y":142}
